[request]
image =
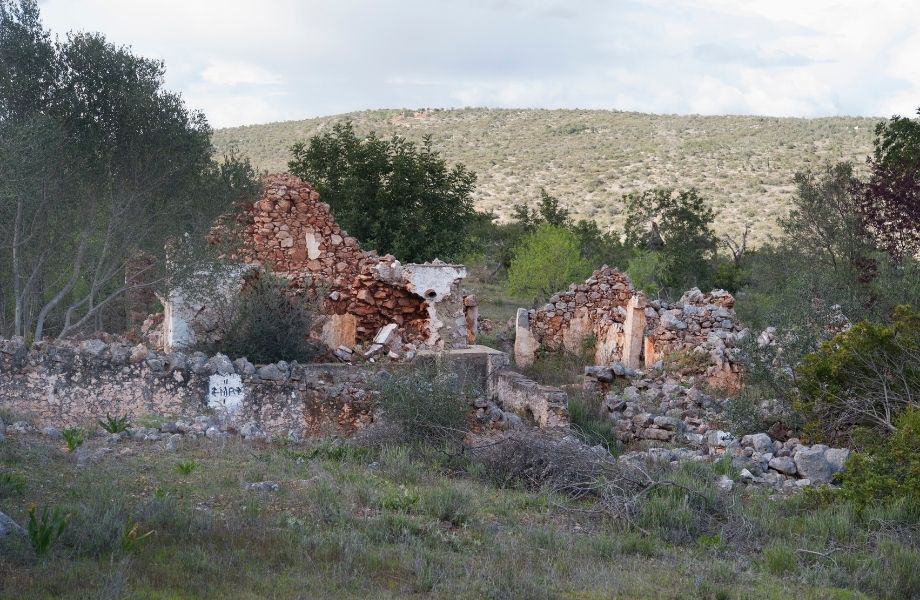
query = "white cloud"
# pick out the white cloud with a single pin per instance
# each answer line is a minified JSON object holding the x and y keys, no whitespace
{"x":238,"y":73}
{"x":245,"y":62}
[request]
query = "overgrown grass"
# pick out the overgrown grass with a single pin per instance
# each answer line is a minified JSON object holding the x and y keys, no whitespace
{"x":588,"y":423}
{"x":403,"y":520}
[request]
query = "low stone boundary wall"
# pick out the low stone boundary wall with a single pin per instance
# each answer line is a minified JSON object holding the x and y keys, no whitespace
{"x":75,"y":384}
{"x":545,"y":405}
{"x":67,"y":386}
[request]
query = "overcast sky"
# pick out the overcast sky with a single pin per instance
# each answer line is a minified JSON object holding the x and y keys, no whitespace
{"x":254,"y":61}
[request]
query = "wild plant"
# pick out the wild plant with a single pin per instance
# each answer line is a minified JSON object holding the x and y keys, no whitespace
{"x":45,"y":528}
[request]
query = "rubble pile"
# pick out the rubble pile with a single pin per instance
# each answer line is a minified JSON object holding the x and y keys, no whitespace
{"x":624,"y":326}
{"x":680,"y":422}
{"x":290,"y":232}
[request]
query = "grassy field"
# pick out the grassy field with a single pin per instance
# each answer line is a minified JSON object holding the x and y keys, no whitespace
{"x":590,"y":158}
{"x":392,"y":521}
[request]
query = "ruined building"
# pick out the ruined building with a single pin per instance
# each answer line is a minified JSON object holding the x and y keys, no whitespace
{"x":622,"y":325}
{"x":365,"y":298}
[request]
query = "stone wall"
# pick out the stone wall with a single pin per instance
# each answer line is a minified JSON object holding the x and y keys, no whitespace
{"x":289,"y":231}
{"x":698,"y":324}
{"x":595,"y":308}
{"x":65,"y":385}
{"x":543,"y":405}
{"x":624,"y":326}
{"x":70,"y":384}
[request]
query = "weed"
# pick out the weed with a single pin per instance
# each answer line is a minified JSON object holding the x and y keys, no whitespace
{"x":398,"y":498}
{"x":449,"y":505}
{"x":11,"y":484}
{"x":779,"y":559}
{"x":132,"y":538}
{"x":114,"y":424}
{"x":74,"y":437}
{"x":45,"y":528}
{"x":588,"y":423}
{"x":686,"y":362}
{"x":186,"y":467}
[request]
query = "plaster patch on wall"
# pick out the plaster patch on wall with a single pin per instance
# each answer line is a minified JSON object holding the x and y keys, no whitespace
{"x":433,"y":282}
{"x":313,"y":251}
{"x":226,"y":394}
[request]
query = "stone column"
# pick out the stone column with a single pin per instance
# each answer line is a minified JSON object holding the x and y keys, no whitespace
{"x":471,"y":312}
{"x":525,"y":345}
{"x":634,"y":331}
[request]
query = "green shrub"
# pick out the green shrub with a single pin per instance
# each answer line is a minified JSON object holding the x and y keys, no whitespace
{"x":45,"y":528}
{"x":546,"y":261}
{"x":114,"y":424}
{"x":74,"y":437}
{"x":429,"y":403}
{"x":646,"y":271}
{"x":861,"y":378}
{"x":891,"y":471}
{"x":268,"y":323}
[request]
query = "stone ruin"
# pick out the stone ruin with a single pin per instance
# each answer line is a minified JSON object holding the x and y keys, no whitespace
{"x":626,"y":327}
{"x":368,"y":302}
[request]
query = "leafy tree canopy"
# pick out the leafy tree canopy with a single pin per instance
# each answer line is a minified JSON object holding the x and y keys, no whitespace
{"x":891,"y":199}
{"x":546,"y":261}
{"x":99,"y":165}
{"x":394,"y":196}
{"x":678,"y":225}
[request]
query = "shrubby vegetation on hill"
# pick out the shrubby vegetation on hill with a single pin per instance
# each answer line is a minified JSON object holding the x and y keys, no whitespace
{"x":590,"y":159}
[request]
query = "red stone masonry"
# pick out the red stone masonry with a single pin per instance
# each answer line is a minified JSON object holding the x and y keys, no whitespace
{"x":289,"y":231}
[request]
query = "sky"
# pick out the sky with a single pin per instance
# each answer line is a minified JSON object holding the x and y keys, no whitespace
{"x":249,"y":61}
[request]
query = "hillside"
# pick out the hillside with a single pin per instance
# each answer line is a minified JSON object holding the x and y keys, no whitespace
{"x":590,"y":158}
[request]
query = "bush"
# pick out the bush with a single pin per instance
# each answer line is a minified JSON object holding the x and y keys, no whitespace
{"x":269,"y":323}
{"x":589,"y":425}
{"x":428,"y":403}
{"x":646,"y":271}
{"x":546,"y":261}
{"x":890,"y":472}
{"x":861,"y":378}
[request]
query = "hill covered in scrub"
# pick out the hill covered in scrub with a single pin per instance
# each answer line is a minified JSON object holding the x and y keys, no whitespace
{"x":590,"y":158}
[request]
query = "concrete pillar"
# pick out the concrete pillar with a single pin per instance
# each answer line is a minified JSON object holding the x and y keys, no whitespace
{"x":525,"y":345}
{"x":634,"y":332}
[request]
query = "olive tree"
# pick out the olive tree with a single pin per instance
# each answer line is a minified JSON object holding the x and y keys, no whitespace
{"x":100,"y":167}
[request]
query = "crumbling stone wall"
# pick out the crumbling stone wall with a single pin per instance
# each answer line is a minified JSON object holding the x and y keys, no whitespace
{"x":75,"y":384}
{"x":701,"y":324}
{"x":625,"y":327}
{"x":595,"y":308}
{"x":289,"y":231}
